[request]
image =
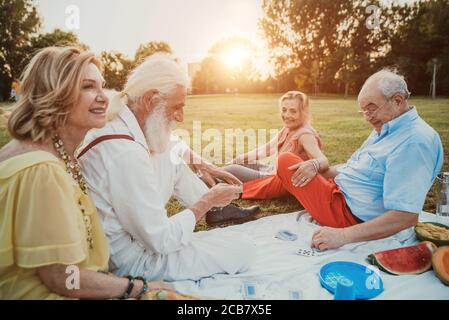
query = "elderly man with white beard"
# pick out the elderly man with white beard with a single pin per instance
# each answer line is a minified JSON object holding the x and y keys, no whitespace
{"x":132,"y":168}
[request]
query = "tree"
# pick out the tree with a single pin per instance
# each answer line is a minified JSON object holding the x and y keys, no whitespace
{"x":150,"y":48}
{"x":116,"y":69}
{"x":228,"y":67}
{"x":56,"y":38}
{"x":117,"y":66}
{"x":423,"y":38}
{"x":327,"y":43}
{"x":19,"y":22}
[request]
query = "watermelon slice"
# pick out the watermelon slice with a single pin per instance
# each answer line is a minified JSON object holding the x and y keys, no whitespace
{"x":407,"y":260}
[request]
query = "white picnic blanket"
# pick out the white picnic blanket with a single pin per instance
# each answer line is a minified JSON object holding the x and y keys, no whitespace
{"x":277,"y":268}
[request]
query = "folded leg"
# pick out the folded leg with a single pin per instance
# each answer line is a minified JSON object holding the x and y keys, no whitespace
{"x":210,"y":252}
{"x":322,"y":198}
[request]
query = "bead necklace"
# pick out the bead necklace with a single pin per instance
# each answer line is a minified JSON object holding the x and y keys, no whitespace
{"x":74,"y":170}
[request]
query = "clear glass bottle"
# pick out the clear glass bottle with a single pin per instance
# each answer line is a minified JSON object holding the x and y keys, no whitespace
{"x":443,"y":198}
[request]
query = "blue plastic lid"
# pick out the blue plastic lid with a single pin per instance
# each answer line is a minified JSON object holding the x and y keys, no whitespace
{"x":367,"y":281}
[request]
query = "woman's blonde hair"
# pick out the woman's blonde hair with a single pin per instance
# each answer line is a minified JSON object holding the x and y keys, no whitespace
{"x":303,"y":104}
{"x":50,"y":87}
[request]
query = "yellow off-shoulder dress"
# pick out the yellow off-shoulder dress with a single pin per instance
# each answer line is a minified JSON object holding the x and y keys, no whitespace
{"x":41,"y":224}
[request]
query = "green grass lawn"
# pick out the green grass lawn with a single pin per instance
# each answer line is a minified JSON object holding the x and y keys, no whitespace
{"x":4,"y":137}
{"x":342,"y":129}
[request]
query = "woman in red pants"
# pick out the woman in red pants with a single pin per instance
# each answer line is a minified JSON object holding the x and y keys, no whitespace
{"x":297,"y":137}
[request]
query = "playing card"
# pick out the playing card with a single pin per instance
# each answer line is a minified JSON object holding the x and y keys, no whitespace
{"x":249,"y":290}
{"x":286,"y":235}
{"x":305,"y":252}
{"x":295,"y":295}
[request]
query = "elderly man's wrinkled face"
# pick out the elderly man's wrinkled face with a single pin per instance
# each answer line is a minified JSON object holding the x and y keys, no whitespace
{"x":175,"y":105}
{"x":164,"y":119}
{"x":377,"y":109}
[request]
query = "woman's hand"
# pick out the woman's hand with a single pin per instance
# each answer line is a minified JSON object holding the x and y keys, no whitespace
{"x":305,"y":172}
{"x":327,"y":238}
{"x":211,"y":172}
{"x":159,"y":285}
{"x":91,"y":284}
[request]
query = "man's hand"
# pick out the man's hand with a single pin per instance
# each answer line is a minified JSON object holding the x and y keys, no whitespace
{"x":305,"y":172}
{"x":327,"y":238}
{"x":222,"y":194}
{"x":219,"y":195}
{"x":211,"y":172}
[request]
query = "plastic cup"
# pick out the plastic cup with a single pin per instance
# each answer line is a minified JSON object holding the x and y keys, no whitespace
{"x":345,"y":290}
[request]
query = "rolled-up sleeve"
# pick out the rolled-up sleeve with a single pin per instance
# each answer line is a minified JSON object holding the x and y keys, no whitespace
{"x":408,"y":177}
{"x":138,"y":206}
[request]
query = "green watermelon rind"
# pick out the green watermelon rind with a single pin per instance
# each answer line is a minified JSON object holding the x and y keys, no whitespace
{"x":373,"y":260}
{"x":439,"y":243}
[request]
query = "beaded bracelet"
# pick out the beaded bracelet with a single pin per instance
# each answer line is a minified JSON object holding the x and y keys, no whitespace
{"x":129,"y":289}
{"x":145,"y":287}
{"x":318,"y":164}
{"x":315,"y":166}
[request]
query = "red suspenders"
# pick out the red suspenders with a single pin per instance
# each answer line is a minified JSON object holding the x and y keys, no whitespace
{"x":104,"y":138}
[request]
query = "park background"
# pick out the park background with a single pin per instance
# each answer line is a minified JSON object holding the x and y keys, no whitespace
{"x":255,"y":51}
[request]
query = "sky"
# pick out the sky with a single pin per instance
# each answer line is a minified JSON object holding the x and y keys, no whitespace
{"x":190,"y":27}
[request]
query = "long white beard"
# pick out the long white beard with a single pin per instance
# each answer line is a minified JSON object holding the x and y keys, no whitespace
{"x":158,"y":129}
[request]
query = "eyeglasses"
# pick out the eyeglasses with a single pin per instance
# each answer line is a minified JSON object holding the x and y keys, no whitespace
{"x":371,"y":113}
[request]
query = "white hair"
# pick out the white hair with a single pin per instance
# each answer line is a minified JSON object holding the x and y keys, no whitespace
{"x":389,"y":83}
{"x":158,"y":72}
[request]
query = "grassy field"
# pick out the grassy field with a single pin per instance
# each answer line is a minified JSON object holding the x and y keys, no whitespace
{"x":342,"y":129}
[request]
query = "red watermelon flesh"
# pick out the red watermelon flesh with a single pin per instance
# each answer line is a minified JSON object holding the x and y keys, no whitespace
{"x":407,"y":260}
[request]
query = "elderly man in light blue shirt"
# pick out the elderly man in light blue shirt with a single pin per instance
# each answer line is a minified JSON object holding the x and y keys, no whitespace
{"x":385,"y":182}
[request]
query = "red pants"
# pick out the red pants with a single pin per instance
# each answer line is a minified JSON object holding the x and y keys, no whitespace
{"x":320,"y":197}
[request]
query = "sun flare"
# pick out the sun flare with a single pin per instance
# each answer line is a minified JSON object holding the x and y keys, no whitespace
{"x":236,"y":56}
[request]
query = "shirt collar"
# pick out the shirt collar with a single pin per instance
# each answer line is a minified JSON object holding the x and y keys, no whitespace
{"x":395,"y":124}
{"x":131,"y":122}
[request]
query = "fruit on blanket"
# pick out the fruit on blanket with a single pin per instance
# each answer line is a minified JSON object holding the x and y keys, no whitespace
{"x":440,"y":263}
{"x":407,"y":260}
{"x":434,"y":232}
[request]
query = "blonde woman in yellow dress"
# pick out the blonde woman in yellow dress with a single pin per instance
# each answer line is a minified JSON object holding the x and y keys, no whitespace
{"x":52,"y":244}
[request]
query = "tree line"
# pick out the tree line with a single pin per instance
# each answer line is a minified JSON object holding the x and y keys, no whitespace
{"x":332,"y":46}
{"x":318,"y":46}
{"x":20,"y":39}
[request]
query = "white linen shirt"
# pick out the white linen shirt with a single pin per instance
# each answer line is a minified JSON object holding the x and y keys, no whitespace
{"x":126,"y":190}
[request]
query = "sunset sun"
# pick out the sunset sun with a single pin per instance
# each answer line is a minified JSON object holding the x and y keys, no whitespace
{"x":236,"y":56}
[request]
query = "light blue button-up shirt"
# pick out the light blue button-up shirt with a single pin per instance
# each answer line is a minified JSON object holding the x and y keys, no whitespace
{"x":392,"y":170}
